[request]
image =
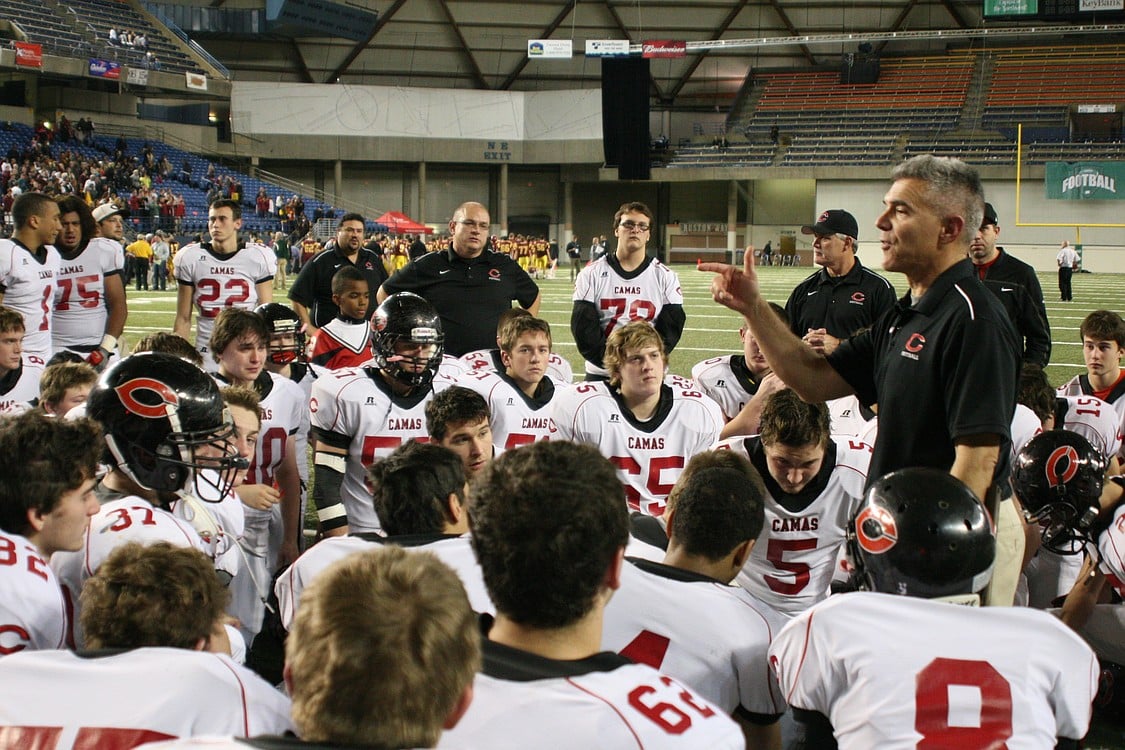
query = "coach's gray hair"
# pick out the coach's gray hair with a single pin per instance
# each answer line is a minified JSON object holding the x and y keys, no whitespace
{"x":953,"y":188}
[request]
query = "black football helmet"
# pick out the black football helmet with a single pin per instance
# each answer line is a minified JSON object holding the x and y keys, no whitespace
{"x":407,"y":318}
{"x":158,"y":412}
{"x":282,"y":321}
{"x":1058,"y":478}
{"x":921,"y":532}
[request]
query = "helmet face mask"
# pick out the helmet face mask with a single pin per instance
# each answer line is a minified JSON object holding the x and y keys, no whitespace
{"x":166,"y":427}
{"x":406,"y":339}
{"x":921,"y":532}
{"x":1058,"y":477}
{"x":287,"y":333}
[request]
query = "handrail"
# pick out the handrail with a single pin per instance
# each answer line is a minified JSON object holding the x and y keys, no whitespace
{"x":168,"y":22}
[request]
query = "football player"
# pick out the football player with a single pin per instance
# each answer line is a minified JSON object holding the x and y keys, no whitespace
{"x":271,"y":494}
{"x":29,"y":269}
{"x":459,"y":419}
{"x":65,"y":386}
{"x":646,"y":428}
{"x":520,"y":395}
{"x":47,"y":470}
{"x":549,"y":527}
{"x":681,"y":615}
{"x":360,"y":414}
{"x":1103,"y":343}
{"x":492,"y":360}
{"x":153,"y":613}
{"x":168,"y":443}
{"x":911,"y":661}
{"x":628,"y":285}
{"x":812,"y":485}
{"x":90,"y":309}
{"x":19,"y":378}
{"x":218,"y":274}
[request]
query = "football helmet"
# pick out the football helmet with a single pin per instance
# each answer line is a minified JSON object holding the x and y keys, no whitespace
{"x":1058,"y":478}
{"x":166,"y":426}
{"x":283,"y":321}
{"x":406,"y":318}
{"x":921,"y":532}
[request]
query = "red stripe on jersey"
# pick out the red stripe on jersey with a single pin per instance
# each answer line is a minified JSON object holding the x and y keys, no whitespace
{"x":610,"y":704}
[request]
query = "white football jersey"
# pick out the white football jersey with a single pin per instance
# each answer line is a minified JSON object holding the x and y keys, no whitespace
{"x":694,"y":629}
{"x":220,"y":281}
{"x":117,"y":522}
{"x":524,"y":700}
{"x":649,"y":456}
{"x":641,"y":295}
{"x":356,"y":405}
{"x":454,"y":551}
{"x":20,"y":387}
{"x":28,"y":286}
{"x":1025,"y":426}
{"x":895,"y":672}
{"x":793,"y":562}
{"x":32,"y":609}
{"x":1093,"y":419}
{"x":80,"y":306}
{"x":848,"y":417}
{"x":64,"y":701}
{"x":488,"y":360}
{"x":516,"y":419}
{"x":1079,"y":385}
{"x":1111,"y":549}
{"x":726,"y":380}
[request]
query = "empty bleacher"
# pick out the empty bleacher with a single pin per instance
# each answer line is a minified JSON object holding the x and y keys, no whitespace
{"x":102,"y":15}
{"x":55,"y":32}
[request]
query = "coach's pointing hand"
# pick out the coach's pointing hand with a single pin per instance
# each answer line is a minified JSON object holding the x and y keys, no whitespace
{"x":733,"y":287}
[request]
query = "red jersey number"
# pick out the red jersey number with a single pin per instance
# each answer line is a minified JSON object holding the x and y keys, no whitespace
{"x":214,"y":296}
{"x":931,"y":706}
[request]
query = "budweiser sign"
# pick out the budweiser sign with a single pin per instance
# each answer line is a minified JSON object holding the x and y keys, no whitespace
{"x":664,"y":48}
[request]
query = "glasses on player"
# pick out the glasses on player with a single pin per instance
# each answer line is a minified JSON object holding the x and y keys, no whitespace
{"x":632,"y":225}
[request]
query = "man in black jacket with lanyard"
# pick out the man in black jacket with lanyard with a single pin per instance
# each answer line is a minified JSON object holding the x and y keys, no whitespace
{"x":1016,"y":286}
{"x":843,"y":296}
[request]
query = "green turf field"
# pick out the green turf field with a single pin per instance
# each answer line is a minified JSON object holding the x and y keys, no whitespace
{"x":712,"y":329}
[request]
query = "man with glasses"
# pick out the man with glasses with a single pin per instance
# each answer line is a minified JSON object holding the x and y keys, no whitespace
{"x":843,"y":296}
{"x":468,"y":284}
{"x":311,"y":293}
{"x":624,"y":286}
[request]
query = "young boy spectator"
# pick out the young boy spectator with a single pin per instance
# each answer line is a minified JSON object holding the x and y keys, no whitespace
{"x":65,"y":386}
{"x":345,"y":341}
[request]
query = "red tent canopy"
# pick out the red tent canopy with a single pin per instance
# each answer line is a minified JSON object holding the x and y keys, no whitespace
{"x":397,"y":222}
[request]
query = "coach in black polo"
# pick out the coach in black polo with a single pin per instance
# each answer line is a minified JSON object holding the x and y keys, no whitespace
{"x":942,"y":365}
{"x":843,"y":296}
{"x":311,"y":293}
{"x":468,"y":285}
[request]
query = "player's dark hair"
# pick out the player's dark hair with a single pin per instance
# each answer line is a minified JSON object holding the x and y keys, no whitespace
{"x":169,"y":343}
{"x":72,"y":204}
{"x":780,"y":312}
{"x":632,"y":207}
{"x":714,"y":459}
{"x":717,"y":510}
{"x":411,"y":488}
{"x":454,"y":406}
{"x":517,"y":326}
{"x":28,"y":205}
{"x":1103,"y":325}
{"x":42,"y":458}
{"x":352,"y":216}
{"x":787,"y":420}
{"x":346,"y":276}
{"x":10,"y":320}
{"x":152,"y":595}
{"x":547,"y":520}
{"x":1035,"y":391}
{"x":233,"y":324}
{"x":233,"y":205}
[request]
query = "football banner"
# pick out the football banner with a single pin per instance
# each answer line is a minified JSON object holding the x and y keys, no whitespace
{"x":1085,"y":180}
{"x":29,"y":55}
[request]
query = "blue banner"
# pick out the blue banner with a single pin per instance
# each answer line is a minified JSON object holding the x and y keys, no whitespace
{"x":104,"y":69}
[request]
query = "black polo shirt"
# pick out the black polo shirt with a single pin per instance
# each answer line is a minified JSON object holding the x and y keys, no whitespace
{"x":1017,"y":287}
{"x":943,"y":369}
{"x":313,"y":287}
{"x":468,"y":293}
{"x":840,"y":304}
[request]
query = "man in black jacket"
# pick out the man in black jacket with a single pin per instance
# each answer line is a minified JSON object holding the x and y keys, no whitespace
{"x":1017,"y":287}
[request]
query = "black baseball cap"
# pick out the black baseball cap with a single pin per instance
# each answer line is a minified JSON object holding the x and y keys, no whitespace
{"x":834,"y":221}
{"x":989,"y":215}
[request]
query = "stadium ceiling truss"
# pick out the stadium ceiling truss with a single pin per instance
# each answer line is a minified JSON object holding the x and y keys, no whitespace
{"x":482,"y":44}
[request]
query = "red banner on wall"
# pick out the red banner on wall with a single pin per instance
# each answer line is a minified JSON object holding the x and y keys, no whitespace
{"x":28,"y":54}
{"x":664,"y":48}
